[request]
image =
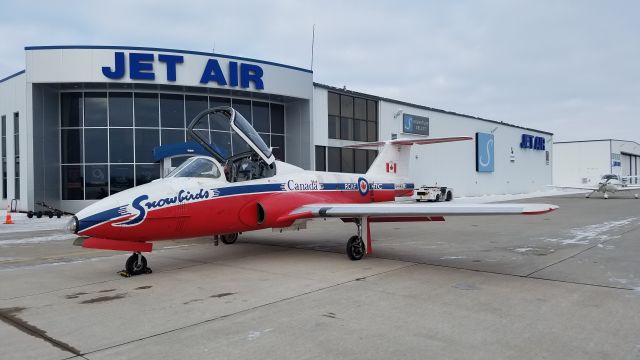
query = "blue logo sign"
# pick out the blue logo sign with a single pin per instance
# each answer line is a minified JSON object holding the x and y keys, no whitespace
{"x":484,"y":152}
{"x":532,"y":142}
{"x":141,"y":67}
{"x":414,"y":124}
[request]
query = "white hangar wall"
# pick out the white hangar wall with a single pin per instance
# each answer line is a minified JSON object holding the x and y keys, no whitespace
{"x":584,"y":162}
{"x":454,"y":164}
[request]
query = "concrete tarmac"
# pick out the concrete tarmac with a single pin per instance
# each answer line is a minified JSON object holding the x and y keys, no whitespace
{"x":561,"y":285}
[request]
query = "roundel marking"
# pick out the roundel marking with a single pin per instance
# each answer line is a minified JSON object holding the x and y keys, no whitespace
{"x":363,"y":186}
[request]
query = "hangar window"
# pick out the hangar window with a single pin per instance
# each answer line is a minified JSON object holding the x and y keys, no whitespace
{"x":4,"y":156}
{"x":346,"y":160}
{"x":107,"y":137}
{"x":352,"y":118}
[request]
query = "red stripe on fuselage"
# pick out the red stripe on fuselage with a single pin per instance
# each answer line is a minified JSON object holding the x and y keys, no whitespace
{"x":220,"y":215}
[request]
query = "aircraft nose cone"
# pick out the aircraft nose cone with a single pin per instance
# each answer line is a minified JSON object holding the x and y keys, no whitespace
{"x":72,"y":225}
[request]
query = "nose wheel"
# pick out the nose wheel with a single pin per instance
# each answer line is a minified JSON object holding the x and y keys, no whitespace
{"x":229,"y":238}
{"x":136,"y":264}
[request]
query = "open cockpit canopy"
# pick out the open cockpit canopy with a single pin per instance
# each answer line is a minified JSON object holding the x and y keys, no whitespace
{"x":234,"y":143}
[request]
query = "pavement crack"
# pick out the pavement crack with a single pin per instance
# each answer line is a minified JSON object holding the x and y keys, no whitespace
{"x":10,"y":317}
{"x":583,"y":251}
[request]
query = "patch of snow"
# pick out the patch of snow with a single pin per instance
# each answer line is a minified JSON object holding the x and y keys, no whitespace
{"x":22,"y":223}
{"x":37,"y":240}
{"x":585,"y":234}
{"x":256,"y":334}
{"x":508,"y":197}
{"x":453,"y":257}
{"x":521,"y":250}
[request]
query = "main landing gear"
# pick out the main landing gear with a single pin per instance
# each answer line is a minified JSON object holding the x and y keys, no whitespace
{"x":227,"y":239}
{"x":136,"y":264}
{"x":356,"y":247}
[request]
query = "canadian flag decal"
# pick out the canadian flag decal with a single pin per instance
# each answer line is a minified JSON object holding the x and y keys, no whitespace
{"x":391,"y":167}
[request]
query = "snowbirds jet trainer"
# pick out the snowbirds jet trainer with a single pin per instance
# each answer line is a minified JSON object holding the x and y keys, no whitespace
{"x":243,"y":188}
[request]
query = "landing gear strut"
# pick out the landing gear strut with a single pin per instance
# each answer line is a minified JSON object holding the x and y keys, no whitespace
{"x":136,"y":264}
{"x":356,"y":248}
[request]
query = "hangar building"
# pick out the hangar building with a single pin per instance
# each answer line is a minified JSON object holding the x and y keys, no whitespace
{"x":584,"y":162}
{"x":82,"y":122}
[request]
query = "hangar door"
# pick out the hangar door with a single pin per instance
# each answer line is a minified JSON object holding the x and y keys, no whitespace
{"x":630,"y":164}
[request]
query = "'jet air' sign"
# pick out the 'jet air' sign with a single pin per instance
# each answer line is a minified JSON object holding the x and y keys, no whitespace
{"x":148,"y":66}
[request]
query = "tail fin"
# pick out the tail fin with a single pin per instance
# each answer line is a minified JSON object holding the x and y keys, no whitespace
{"x":393,"y":159}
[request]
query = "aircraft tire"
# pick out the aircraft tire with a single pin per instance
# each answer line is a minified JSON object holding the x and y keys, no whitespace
{"x":133,"y":268}
{"x":449,"y":196}
{"x":229,"y":238}
{"x":355,"y":248}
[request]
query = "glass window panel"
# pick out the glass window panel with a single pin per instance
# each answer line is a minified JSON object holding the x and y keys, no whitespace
{"x":239,"y":145}
{"x":71,"y":146}
{"x":171,"y":136}
{"x":277,"y":142}
{"x":96,"y":146}
{"x":146,"y":109}
{"x":372,"y":131}
{"x":321,"y":158}
{"x":360,"y":108}
{"x":121,"y":109}
{"x":266,"y":138}
{"x":121,"y":145}
{"x":147,"y":173}
{"x":172,"y":111}
{"x":97,"y":181}
{"x":372,"y":110}
{"x":121,"y":177}
{"x":221,"y":142}
{"x":218,"y":101}
{"x":16,"y":192}
{"x":334,"y":104}
{"x":346,"y":129}
{"x":334,"y":127}
{"x":346,"y":106}
{"x":360,"y":130}
{"x":347,"y":160}
{"x":195,"y":105}
{"x":178,"y":160}
{"x":146,"y":140}
{"x":203,"y":133}
{"x":243,"y":107}
{"x":334,"y":159}
{"x":277,"y":118}
{"x":95,"y":109}
{"x":371,"y":155}
{"x":72,"y":180}
{"x":361,"y":164}
{"x":261,"y":116}
{"x":219,"y":122}
{"x":71,"y":109}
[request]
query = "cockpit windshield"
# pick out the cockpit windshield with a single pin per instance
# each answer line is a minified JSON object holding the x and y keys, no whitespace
{"x":196,"y":167}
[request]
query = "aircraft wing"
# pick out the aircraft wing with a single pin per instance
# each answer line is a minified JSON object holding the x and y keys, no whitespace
{"x":591,"y":188}
{"x":408,"y":210}
{"x":628,"y":188}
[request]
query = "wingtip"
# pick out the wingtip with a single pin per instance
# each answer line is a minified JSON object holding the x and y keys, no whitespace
{"x":546,"y":208}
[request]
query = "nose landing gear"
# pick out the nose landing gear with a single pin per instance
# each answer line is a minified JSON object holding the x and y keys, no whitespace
{"x":229,"y":238}
{"x":136,"y":264}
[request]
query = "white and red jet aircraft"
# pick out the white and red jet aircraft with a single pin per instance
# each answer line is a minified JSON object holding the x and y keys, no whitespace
{"x":226,"y":194}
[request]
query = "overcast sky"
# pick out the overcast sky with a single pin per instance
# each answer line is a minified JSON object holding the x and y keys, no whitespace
{"x":569,"y":67}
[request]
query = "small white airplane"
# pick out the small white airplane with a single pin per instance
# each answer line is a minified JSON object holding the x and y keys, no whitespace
{"x":228,"y":193}
{"x":608,"y":184}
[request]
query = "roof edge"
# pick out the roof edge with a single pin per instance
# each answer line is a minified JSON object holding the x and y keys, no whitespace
{"x":400,"y":102}
{"x":12,"y":76}
{"x":178,"y":51}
